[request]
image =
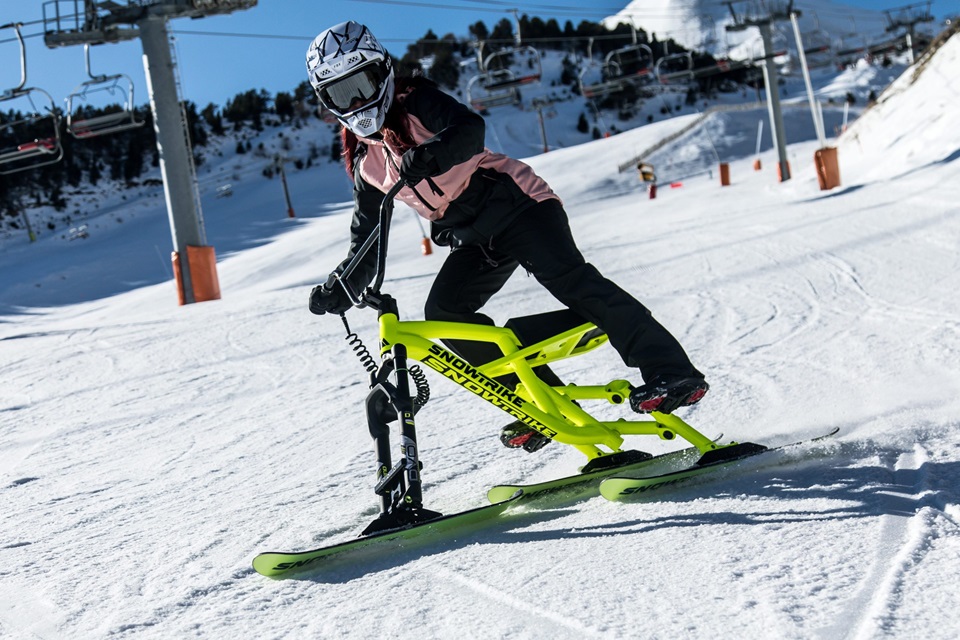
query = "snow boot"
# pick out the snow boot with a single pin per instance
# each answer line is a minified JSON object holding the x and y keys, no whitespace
{"x":517,"y":435}
{"x":665,"y":394}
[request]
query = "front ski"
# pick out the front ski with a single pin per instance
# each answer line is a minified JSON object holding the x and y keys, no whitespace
{"x":581,"y":483}
{"x":281,"y":564}
{"x":621,"y":487}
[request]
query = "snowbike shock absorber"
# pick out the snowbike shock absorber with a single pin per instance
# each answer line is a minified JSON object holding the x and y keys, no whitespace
{"x":399,"y":486}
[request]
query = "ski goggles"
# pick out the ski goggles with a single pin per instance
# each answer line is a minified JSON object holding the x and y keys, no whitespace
{"x":354,"y":91}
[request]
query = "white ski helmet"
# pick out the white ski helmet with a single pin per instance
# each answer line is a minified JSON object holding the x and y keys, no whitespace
{"x":352,"y":75}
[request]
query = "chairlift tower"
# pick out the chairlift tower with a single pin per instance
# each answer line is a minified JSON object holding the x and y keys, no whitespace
{"x":764,"y":19}
{"x":908,"y":17}
{"x":92,"y":22}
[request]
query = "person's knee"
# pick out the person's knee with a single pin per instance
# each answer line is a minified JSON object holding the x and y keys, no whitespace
{"x":434,"y":309}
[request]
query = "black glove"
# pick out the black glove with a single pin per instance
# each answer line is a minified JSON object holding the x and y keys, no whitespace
{"x":418,"y":163}
{"x":329,"y":298}
{"x":456,"y":237}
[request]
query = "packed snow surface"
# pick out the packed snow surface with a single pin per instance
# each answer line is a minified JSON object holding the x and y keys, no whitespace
{"x":148,"y":451}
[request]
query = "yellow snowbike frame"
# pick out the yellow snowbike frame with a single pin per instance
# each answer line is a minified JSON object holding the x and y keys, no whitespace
{"x":550,"y":410}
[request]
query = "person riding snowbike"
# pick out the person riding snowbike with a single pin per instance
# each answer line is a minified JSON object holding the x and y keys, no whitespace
{"x":493,"y":212}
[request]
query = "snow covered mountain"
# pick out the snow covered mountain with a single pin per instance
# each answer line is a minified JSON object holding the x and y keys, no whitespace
{"x":701,"y":24}
{"x":149,"y":451}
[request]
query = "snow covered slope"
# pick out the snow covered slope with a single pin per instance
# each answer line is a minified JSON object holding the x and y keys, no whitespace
{"x":701,"y":24}
{"x":890,"y":140}
{"x":148,"y":451}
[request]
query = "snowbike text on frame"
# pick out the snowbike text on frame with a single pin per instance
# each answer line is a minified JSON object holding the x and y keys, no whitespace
{"x":526,"y":343}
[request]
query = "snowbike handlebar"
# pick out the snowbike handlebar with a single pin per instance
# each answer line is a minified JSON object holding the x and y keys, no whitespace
{"x":379,"y":235}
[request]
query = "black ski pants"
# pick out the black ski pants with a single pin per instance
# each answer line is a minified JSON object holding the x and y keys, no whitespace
{"x":539,"y":240}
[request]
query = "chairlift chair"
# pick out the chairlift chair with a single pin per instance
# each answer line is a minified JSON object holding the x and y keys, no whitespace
{"x":624,"y":67}
{"x":508,"y":68}
{"x":673,"y":67}
{"x":818,"y":49}
{"x":632,"y":60}
{"x":486,"y":90}
{"x":30,"y":141}
{"x":818,"y":45}
{"x":31,"y":138}
{"x":512,"y":67}
{"x":82,"y":126}
{"x":594,"y":85}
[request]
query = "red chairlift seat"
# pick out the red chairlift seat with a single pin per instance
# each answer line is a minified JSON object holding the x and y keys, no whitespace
{"x":47,"y":145}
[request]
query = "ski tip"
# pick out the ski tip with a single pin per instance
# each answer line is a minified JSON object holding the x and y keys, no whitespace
{"x":833,"y":432}
{"x":504,"y":493}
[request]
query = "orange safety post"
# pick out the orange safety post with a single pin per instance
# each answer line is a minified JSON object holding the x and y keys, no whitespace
{"x":178,"y":277}
{"x":828,"y":168}
{"x":724,"y":174}
{"x":202,"y":262}
{"x":780,"y":172}
{"x":757,"y":166}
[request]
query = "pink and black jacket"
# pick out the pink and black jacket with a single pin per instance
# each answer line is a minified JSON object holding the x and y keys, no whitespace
{"x":474,"y":188}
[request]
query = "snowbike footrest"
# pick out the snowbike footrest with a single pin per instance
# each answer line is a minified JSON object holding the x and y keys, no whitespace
{"x":615,"y":460}
{"x":732,"y":452}
{"x":400,"y":519}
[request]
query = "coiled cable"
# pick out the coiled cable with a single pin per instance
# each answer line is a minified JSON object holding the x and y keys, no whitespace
{"x":423,"y":388}
{"x":369,"y":363}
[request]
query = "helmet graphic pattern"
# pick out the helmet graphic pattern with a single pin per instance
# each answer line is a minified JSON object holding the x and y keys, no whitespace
{"x":337,"y":52}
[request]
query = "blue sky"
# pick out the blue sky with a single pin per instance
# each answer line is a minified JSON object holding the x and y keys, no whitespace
{"x":267,"y":43}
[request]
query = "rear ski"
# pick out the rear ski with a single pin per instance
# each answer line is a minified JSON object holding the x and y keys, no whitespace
{"x":587,"y":481}
{"x":617,"y":487}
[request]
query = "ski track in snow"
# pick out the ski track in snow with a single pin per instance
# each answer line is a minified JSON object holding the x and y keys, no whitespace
{"x":905,"y":541}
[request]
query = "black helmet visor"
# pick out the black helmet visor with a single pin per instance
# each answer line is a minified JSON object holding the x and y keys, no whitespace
{"x":355,"y":90}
